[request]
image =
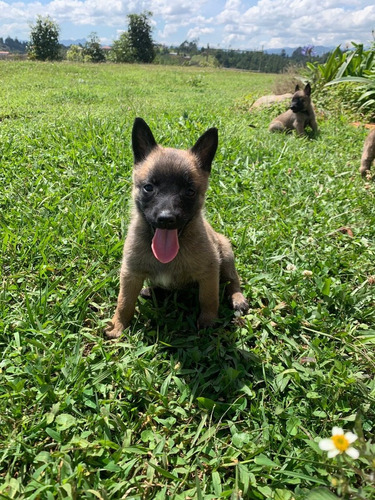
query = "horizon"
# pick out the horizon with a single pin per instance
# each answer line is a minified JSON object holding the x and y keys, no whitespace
{"x":319,"y":50}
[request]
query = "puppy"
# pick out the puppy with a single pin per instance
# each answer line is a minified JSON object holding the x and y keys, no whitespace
{"x":299,"y":115}
{"x":169,"y":242}
{"x":368,"y":154}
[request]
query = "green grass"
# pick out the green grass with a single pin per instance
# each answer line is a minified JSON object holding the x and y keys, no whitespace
{"x":168,"y":412}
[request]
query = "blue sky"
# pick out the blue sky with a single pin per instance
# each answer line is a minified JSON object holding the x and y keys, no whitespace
{"x":246,"y":24}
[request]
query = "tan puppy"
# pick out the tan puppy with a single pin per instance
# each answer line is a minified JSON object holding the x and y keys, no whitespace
{"x":368,"y":154}
{"x":169,"y":242}
{"x":299,"y":115}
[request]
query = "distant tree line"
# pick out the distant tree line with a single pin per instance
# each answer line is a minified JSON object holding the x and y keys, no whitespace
{"x":14,"y":46}
{"x":264,"y":62}
{"x":254,"y":61}
{"x":136,"y":45}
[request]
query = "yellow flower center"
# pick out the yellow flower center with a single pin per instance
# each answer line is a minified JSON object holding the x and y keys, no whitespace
{"x":340,"y":442}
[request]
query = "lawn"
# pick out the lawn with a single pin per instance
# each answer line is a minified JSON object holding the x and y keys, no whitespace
{"x":236,"y":411}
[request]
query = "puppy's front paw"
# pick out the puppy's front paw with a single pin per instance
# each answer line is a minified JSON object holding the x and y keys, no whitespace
{"x":239,"y":303}
{"x":205,"y":320}
{"x":114,"y":329}
{"x":364,"y":171}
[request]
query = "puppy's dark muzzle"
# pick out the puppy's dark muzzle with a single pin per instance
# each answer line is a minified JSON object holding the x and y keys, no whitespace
{"x":296,"y":108}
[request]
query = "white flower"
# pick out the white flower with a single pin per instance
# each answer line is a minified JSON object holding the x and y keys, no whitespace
{"x":307,"y":273}
{"x":339,"y":443}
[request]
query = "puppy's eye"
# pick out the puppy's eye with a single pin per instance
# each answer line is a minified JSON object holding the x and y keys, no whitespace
{"x":190,"y":192}
{"x":148,"y":188}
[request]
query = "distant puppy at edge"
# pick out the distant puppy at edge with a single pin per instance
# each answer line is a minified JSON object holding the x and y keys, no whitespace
{"x":169,"y":242}
{"x":368,"y":154}
{"x":299,"y":115}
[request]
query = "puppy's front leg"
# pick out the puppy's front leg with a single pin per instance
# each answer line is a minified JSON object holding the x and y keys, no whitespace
{"x":208,"y":300}
{"x":130,"y":286}
{"x":300,"y":128}
{"x":314,"y":125}
{"x":233,"y":288}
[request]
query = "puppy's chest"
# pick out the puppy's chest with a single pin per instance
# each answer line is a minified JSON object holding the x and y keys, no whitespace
{"x":165,"y":280}
{"x":171,"y":277}
{"x":179,"y":273}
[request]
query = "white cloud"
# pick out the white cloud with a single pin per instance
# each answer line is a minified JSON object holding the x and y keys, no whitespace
{"x":240,"y":24}
{"x":296,"y":23}
{"x":90,"y":12}
{"x":197,"y":32}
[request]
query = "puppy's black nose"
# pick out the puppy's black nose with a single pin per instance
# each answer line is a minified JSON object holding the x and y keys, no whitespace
{"x":166,"y":220}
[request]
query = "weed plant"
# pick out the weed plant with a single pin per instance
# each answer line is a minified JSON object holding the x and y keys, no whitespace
{"x":236,"y":411}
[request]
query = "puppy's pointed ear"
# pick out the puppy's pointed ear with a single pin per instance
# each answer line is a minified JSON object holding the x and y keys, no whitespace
{"x":205,"y":148}
{"x":296,"y":89}
{"x":307,"y":89}
{"x":143,"y":141}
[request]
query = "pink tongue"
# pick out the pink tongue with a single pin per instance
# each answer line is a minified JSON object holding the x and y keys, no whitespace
{"x":165,"y":244}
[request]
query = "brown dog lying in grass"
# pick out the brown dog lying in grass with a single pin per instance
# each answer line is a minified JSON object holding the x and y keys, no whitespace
{"x":300,"y":114}
{"x":368,"y":154}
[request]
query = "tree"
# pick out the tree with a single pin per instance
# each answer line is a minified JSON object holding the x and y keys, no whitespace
{"x":74,"y":53}
{"x":44,"y":40}
{"x":139,"y":31}
{"x":298,"y":55}
{"x":190,"y":48}
{"x":122,"y":50}
{"x":92,"y":51}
